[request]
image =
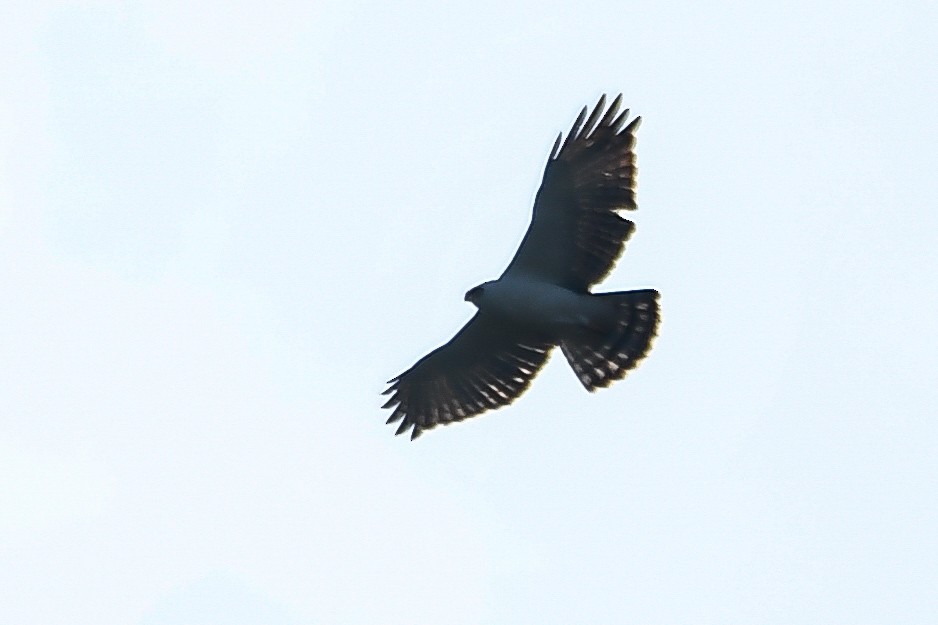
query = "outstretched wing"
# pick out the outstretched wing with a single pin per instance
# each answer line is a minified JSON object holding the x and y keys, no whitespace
{"x":576,"y":234}
{"x":486,"y":365}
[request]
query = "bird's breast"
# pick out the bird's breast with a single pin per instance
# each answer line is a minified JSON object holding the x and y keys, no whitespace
{"x":540,"y":306}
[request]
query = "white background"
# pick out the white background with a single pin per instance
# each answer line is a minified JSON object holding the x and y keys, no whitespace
{"x":224,"y":226}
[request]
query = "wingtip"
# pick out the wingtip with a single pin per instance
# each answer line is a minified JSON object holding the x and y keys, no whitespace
{"x":556,"y":148}
{"x":599,"y":117}
{"x":610,"y":114}
{"x":619,"y":121}
{"x":590,"y":124}
{"x":577,"y":124}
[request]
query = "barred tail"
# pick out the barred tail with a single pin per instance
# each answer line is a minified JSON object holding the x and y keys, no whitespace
{"x":600,"y":360}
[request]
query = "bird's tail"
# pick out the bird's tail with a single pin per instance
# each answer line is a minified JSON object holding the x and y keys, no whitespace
{"x":599,"y":359}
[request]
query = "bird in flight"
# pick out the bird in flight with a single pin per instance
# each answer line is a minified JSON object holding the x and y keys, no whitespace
{"x":543,"y":298}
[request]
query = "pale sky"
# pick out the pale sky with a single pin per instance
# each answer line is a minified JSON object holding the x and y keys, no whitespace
{"x":223,"y":227}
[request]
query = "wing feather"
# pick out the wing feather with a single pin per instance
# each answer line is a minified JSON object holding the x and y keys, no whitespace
{"x":597,"y":111}
{"x":485,"y":366}
{"x":576,"y":233}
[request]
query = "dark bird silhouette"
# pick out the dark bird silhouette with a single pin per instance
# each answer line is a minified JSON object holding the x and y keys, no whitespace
{"x":543,"y":298}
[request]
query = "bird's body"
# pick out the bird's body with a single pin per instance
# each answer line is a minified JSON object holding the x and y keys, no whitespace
{"x":544,"y":308}
{"x":543,"y":299}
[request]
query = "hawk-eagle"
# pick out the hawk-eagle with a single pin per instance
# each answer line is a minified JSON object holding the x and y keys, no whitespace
{"x":543,"y":298}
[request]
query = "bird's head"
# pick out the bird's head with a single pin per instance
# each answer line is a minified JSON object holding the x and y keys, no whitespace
{"x":474,"y":295}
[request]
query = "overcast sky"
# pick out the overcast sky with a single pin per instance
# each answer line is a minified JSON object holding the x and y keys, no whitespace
{"x":224,"y":226}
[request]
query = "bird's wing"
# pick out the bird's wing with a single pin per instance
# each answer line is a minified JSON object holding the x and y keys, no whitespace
{"x":486,"y":365}
{"x":576,"y":234}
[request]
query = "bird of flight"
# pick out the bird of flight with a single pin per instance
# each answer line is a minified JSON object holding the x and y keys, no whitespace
{"x":543,"y":298}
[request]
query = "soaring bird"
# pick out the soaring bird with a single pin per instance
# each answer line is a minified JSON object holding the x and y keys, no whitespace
{"x":543,"y":298}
